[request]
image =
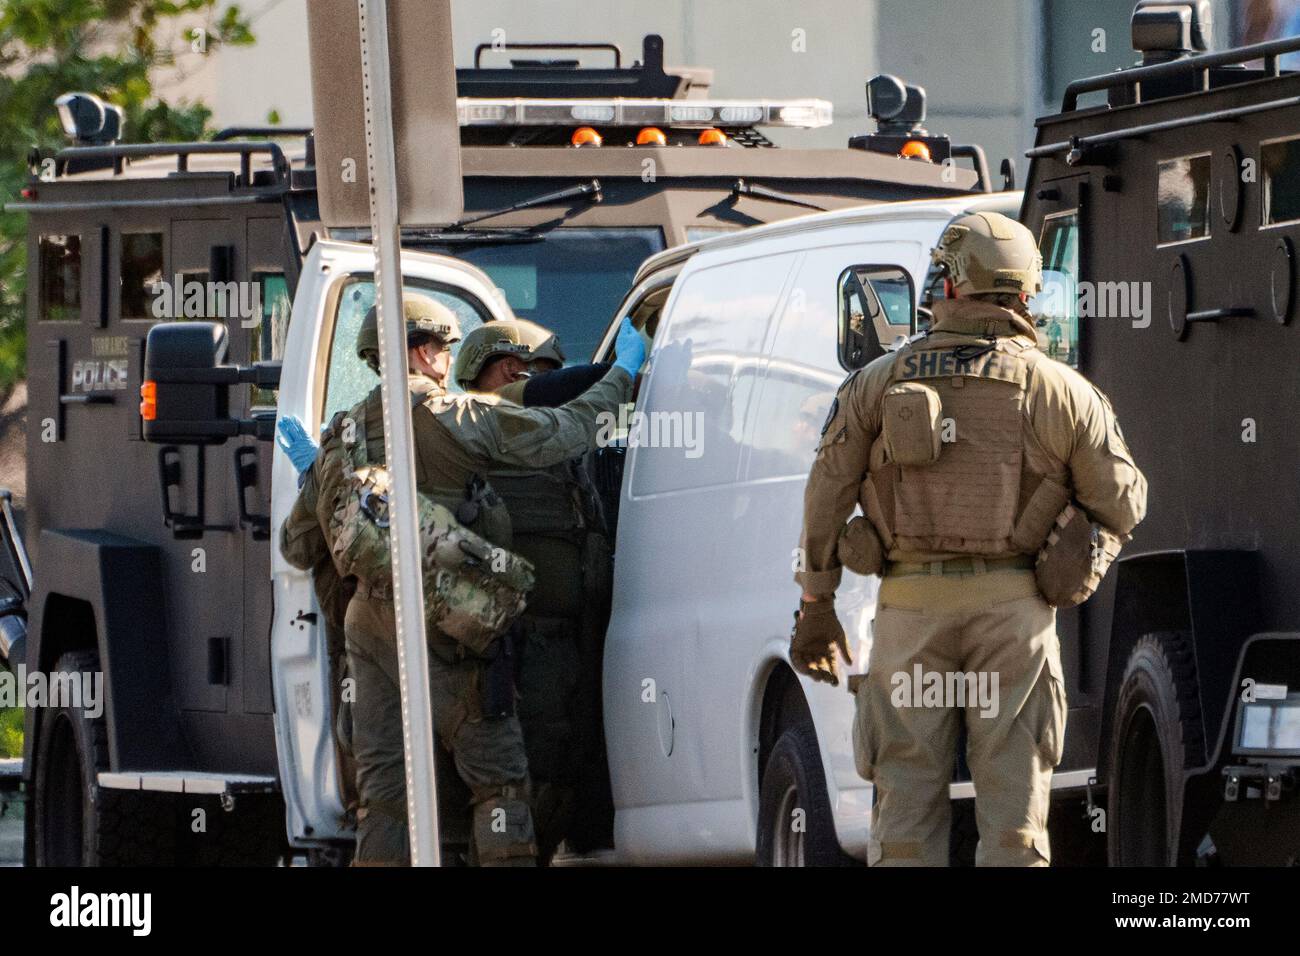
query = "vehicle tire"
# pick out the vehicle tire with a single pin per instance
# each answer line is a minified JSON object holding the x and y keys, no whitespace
{"x":794,"y":781}
{"x":1157,"y":730}
{"x":77,"y":822}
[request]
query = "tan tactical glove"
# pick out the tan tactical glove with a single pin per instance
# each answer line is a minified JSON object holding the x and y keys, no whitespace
{"x":816,"y":635}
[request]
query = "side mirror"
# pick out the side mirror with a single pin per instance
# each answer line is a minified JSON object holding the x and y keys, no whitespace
{"x":877,"y":305}
{"x":185,"y":397}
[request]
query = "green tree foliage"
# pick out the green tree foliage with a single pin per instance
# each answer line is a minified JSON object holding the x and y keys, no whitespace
{"x":105,"y":47}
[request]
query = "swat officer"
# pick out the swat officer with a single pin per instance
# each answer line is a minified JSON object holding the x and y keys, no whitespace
{"x":557,"y":526}
{"x":969,"y":451}
{"x":457,"y":439}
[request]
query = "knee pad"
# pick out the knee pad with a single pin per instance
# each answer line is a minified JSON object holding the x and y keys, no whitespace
{"x":503,"y":830}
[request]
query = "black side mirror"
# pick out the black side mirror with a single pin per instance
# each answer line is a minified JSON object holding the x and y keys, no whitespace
{"x":185,"y":397}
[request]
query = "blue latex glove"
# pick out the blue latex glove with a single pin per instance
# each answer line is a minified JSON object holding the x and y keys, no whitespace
{"x":630,"y":348}
{"x":296,"y":443}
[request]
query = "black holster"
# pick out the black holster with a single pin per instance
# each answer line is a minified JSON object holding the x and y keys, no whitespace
{"x":499,"y":676}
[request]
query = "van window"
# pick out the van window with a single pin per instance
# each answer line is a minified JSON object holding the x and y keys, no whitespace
{"x":1055,"y":309}
{"x":350,"y":379}
{"x":1183,"y":198}
{"x":1281,"y":162}
{"x":803,"y":370}
{"x":704,"y":369}
{"x":60,"y":279}
{"x":140,"y":270}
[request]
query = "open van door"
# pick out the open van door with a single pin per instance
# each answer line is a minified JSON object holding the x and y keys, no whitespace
{"x":324,"y":376}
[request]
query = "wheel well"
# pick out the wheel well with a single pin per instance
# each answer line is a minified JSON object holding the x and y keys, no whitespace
{"x":68,"y":624}
{"x":783,"y":706}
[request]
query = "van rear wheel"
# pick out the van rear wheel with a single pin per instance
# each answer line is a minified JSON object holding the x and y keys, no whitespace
{"x":795,"y":826}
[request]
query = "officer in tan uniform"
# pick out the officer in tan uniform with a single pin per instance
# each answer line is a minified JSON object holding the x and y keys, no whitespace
{"x":457,"y":440}
{"x":993,"y":481}
{"x":557,"y":526}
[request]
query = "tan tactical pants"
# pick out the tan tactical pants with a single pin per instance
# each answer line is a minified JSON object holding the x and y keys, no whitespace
{"x":996,"y":627}
{"x":488,"y":752}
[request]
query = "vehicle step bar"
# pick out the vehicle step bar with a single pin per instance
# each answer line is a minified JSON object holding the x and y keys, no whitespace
{"x":190,"y":781}
{"x":1070,"y":780}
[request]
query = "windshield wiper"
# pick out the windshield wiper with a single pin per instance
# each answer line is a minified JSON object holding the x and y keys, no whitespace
{"x":457,"y":233}
{"x":742,"y":188}
{"x":588,"y":190}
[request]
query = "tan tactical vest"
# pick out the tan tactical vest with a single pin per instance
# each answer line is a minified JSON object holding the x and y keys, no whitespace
{"x":948,"y":472}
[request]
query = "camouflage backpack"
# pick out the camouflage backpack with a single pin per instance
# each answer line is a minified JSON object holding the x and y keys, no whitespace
{"x":473,"y":591}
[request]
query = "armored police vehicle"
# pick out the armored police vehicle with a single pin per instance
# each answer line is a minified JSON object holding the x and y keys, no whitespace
{"x":1166,"y":199}
{"x":152,"y":563}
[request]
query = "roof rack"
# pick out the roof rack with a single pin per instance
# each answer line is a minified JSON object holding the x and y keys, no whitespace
{"x":1131,"y":80}
{"x":88,"y":157}
{"x":1076,"y":148}
{"x":565,"y":79}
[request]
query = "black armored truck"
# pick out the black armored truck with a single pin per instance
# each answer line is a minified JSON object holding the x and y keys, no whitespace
{"x":1166,"y":199}
{"x":153,"y":562}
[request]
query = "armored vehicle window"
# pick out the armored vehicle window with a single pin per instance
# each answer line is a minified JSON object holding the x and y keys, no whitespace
{"x":267,"y":342}
{"x":570,"y":281}
{"x":706,"y":362}
{"x":141,"y":269}
{"x":1056,"y":308}
{"x":350,"y":379}
{"x":60,"y":281}
{"x":1183,"y":198}
{"x":1281,"y":162}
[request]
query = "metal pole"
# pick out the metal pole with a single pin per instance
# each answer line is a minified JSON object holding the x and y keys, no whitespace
{"x":408,"y":592}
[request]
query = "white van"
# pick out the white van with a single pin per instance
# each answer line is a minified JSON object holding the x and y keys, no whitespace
{"x":717,"y":749}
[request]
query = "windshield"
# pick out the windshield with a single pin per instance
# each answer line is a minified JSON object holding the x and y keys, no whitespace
{"x":571,"y":281}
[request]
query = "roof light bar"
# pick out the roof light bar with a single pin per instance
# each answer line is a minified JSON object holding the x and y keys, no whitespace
{"x":619,"y":111}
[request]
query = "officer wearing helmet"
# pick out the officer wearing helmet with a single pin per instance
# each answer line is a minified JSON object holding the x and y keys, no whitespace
{"x":458,"y":439}
{"x":983,"y":469}
{"x":558,"y":526}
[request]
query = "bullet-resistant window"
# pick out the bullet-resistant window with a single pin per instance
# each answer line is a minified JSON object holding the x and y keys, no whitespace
{"x":1183,"y":198}
{"x":1281,"y":169}
{"x":266,"y":342}
{"x":60,"y":278}
{"x":141,"y":271}
{"x":1055,"y":310}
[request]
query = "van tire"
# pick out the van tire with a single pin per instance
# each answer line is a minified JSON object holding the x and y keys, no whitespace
{"x":75,"y":821}
{"x":1157,"y":733}
{"x":794,"y":782}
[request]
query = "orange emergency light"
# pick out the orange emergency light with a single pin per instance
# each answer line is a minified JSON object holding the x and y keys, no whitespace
{"x":651,"y":136}
{"x":915,"y":149}
{"x":149,"y":401}
{"x":585,"y":136}
{"x":713,"y":137}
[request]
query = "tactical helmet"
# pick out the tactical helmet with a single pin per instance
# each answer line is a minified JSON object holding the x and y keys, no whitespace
{"x":424,"y":316}
{"x":987,"y":253}
{"x":528,"y":341}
